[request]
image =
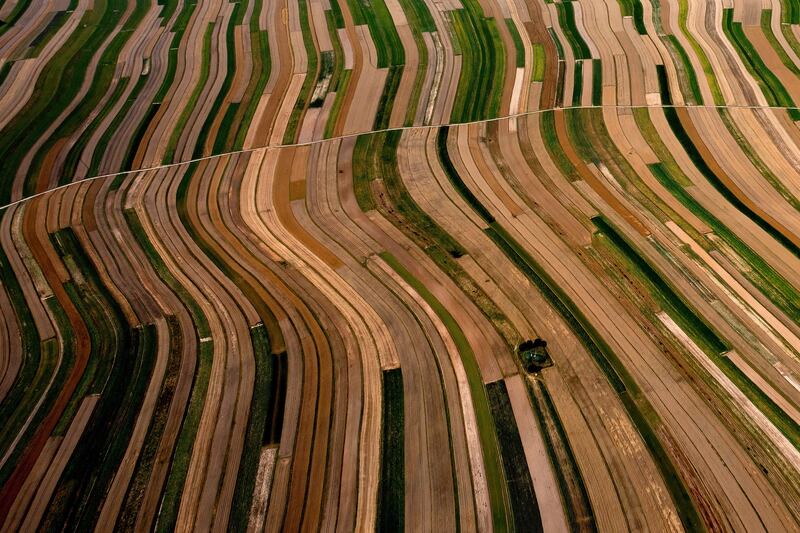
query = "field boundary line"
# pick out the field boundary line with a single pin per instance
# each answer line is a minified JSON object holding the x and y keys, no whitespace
{"x":388,"y":130}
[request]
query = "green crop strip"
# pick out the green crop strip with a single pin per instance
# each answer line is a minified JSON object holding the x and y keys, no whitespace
{"x":577,"y":87}
{"x":754,"y":158}
{"x":389,"y":48}
{"x":376,"y":16}
{"x":170,"y":500}
{"x":770,"y":85}
{"x":341,"y":90}
{"x":170,"y":497}
{"x":386,"y":102}
{"x":522,"y":496}
{"x":663,"y":291}
{"x":391,"y":491}
{"x":31,"y":380}
{"x":547,"y":126}
{"x":101,"y":83}
{"x":518,"y":46}
{"x":14,"y":15}
{"x":539,"y":59}
{"x":635,"y":403}
{"x":480,"y":83}
{"x":763,"y":276}
{"x":41,"y":40}
{"x":597,"y":82}
{"x":263,"y":66}
{"x":75,"y":153}
{"x":633,"y":8}
{"x":556,"y":42}
{"x":790,"y":12}
{"x":486,"y":429}
{"x":566,"y":19}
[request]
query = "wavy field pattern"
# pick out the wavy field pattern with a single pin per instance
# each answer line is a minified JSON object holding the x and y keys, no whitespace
{"x":274,"y":265}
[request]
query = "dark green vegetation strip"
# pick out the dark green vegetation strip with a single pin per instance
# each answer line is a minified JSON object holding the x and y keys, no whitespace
{"x":774,"y":91}
{"x":518,"y":478}
{"x":633,"y":8}
{"x":376,"y":16}
{"x":258,"y":80}
{"x":38,"y":365}
{"x":790,"y":12}
{"x":219,"y":101}
{"x":119,"y":368}
{"x":755,"y":158}
{"x":636,"y":404}
{"x":518,"y":46}
{"x":101,"y":82}
{"x":376,"y":156}
{"x":14,"y":15}
{"x":31,"y":380}
{"x":577,"y":88}
{"x":577,"y":506}
{"x":498,"y":496}
{"x":597,"y":82}
{"x":182,"y":453}
{"x":480,"y":83}
{"x":694,"y":154}
{"x":178,"y":29}
{"x":391,"y":491}
{"x":566,"y":19}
